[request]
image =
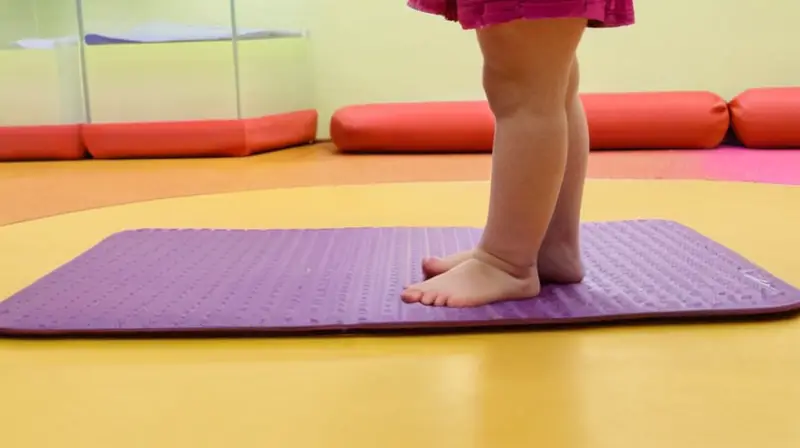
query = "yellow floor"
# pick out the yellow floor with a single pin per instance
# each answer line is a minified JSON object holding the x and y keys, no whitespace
{"x":704,"y":386}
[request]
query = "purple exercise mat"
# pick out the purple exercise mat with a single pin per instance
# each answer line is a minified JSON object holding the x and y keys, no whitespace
{"x":337,"y":279}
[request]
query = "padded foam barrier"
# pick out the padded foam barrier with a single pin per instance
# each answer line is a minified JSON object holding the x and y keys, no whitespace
{"x":207,"y":138}
{"x":463,"y":126}
{"x":656,"y":120}
{"x":57,"y":142}
{"x":195,"y":281}
{"x":675,"y":120}
{"x":767,"y":118}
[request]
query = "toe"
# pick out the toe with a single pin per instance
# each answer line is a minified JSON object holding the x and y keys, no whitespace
{"x":410,"y":295}
{"x":428,"y":298}
{"x":441,"y":299}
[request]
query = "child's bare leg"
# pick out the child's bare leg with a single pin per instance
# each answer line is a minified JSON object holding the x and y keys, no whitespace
{"x":526,"y":79}
{"x":559,"y":257}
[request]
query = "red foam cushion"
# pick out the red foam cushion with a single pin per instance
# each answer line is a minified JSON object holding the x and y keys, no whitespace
{"x":57,"y":142}
{"x":438,"y":126}
{"x":280,"y":131}
{"x":616,"y":120}
{"x":656,"y":120}
{"x":767,"y":117}
{"x":208,"y":138}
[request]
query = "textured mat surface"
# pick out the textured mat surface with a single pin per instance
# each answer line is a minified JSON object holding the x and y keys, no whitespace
{"x":337,"y":279}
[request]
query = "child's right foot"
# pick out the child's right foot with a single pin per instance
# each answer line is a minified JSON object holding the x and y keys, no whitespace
{"x":480,"y":280}
{"x":560,"y":264}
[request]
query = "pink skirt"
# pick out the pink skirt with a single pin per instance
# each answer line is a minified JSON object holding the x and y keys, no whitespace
{"x":479,"y":13}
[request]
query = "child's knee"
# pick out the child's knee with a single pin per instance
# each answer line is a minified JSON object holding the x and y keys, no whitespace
{"x":508,"y":92}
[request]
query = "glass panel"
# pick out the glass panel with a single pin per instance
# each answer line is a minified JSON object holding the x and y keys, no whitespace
{"x":154,"y":60}
{"x":40,"y":66}
{"x":275,"y":73}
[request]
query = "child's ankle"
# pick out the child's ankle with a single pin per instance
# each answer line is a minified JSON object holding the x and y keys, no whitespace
{"x":514,"y":270}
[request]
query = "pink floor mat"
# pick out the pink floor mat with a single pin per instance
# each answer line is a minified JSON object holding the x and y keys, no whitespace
{"x":728,"y":163}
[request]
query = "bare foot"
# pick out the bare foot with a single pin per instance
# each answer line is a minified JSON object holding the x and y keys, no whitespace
{"x":558,"y":263}
{"x":473,"y":282}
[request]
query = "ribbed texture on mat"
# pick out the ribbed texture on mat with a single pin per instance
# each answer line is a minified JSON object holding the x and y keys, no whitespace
{"x":297,"y":280}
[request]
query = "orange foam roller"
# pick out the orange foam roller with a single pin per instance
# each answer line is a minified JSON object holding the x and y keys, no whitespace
{"x":656,"y":120}
{"x":767,"y":117}
{"x":58,"y":142}
{"x":207,"y":138}
{"x":465,"y":126}
{"x":616,"y":120}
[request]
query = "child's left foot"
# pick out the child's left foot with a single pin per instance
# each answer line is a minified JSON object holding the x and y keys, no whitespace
{"x":473,"y":282}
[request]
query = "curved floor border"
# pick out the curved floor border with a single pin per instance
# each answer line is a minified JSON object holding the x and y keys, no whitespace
{"x":35,"y":190}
